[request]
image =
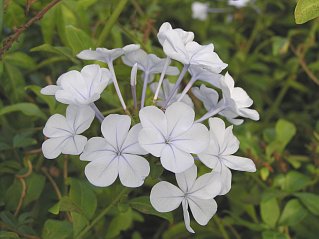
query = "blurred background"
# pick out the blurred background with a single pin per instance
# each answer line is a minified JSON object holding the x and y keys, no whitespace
{"x":269,"y":55}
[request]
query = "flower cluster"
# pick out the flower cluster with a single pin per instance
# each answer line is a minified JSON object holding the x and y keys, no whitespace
{"x":169,"y":129}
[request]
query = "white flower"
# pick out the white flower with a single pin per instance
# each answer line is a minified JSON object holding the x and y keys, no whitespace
{"x":218,"y":154}
{"x":192,"y":53}
{"x":79,"y":88}
{"x":208,"y":96}
{"x":166,"y":89}
{"x":198,"y":194}
{"x":236,"y":101}
{"x":64,"y":132}
{"x":149,"y":63}
{"x":106,"y":55}
{"x":166,"y":28}
{"x":116,"y":154}
{"x":172,"y":136}
{"x":200,"y":10}
{"x":199,"y":73}
{"x":238,"y":3}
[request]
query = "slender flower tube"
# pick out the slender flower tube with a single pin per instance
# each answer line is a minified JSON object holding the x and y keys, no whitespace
{"x":133,"y":84}
{"x":168,"y":60}
{"x":146,"y":76}
{"x":178,"y":82}
{"x":116,"y":85}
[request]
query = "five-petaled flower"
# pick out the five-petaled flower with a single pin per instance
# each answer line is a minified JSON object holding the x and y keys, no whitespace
{"x":218,"y":155}
{"x":116,"y":154}
{"x":64,"y":132}
{"x":80,"y":88}
{"x":172,"y":135}
{"x":198,"y":194}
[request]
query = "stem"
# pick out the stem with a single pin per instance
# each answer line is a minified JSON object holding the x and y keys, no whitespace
{"x":146,"y":76}
{"x":12,"y":38}
{"x":116,"y":85}
{"x":102,"y":214}
{"x":98,"y":113}
{"x":161,"y":78}
{"x":187,"y":88}
{"x":178,"y":82}
{"x":110,"y":22}
{"x":211,"y":113}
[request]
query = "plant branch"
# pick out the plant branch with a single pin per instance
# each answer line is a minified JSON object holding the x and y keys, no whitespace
{"x":304,"y":66}
{"x":14,"y":37}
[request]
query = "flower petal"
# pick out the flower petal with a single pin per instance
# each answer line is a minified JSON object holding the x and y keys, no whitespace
{"x":180,"y":117}
{"x":97,"y":148}
{"x":57,"y":126}
{"x":152,"y":117}
{"x":131,"y":144}
{"x":217,"y":131}
{"x":74,"y":145}
{"x":151,"y":141}
{"x":226,"y":176}
{"x":239,"y":163}
{"x":202,"y":209}
{"x":51,"y":148}
{"x":176,"y":160}
{"x":194,"y":140}
{"x":186,"y":179}
{"x":187,"y":219}
{"x":166,"y":197}
{"x":231,"y":143}
{"x":50,"y":90}
{"x":102,"y":172}
{"x":207,"y":186}
{"x":79,"y":118}
{"x":133,"y":169}
{"x":115,"y":129}
{"x":210,"y":160}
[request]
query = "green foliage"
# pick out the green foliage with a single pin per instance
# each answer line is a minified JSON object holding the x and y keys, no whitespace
{"x":306,"y":10}
{"x":271,"y":57}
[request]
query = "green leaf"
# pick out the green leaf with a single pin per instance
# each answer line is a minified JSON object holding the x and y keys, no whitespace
{"x":273,"y":235}
{"x":47,"y":99}
{"x":8,"y":235}
{"x":35,"y":185}
{"x":61,"y":51}
{"x":293,"y":213}
{"x":48,"y":25}
{"x":81,"y":192}
{"x":143,"y":205}
{"x":54,"y":229}
{"x":23,"y":140}
{"x":20,"y":59}
{"x":66,"y":205}
{"x":310,"y":200}
{"x":28,"y":109}
{"x":270,"y":211}
{"x":295,"y":181}
{"x":78,"y":40}
{"x":121,"y":222}
{"x":284,"y":132}
{"x":306,"y":10}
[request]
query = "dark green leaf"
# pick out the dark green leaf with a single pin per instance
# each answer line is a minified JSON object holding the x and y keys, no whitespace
{"x":293,"y":213}
{"x":54,"y":229}
{"x":143,"y":205}
{"x":28,"y":109}
{"x":310,"y":201}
